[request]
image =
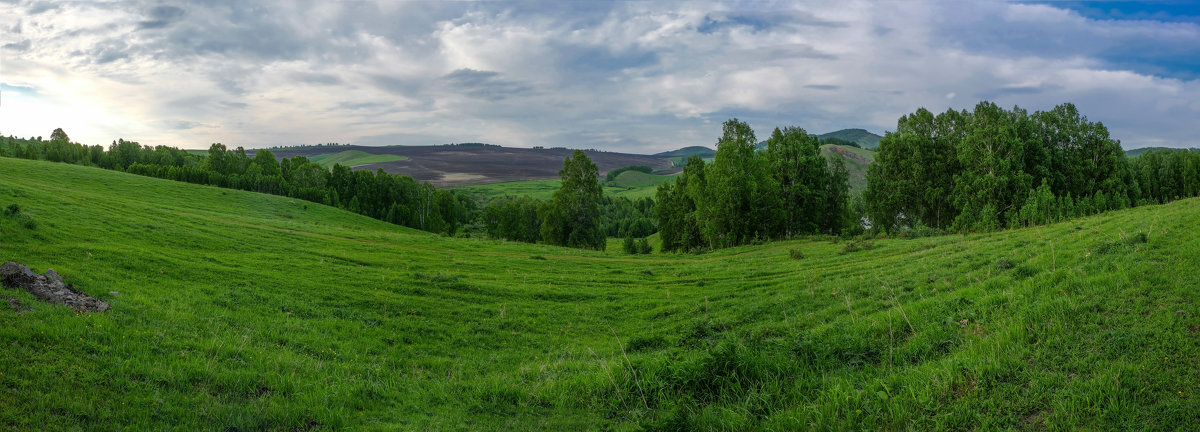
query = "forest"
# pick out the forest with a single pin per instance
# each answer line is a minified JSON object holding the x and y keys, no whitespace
{"x":992,"y":168}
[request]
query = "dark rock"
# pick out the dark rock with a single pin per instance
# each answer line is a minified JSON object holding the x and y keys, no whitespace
{"x":17,"y":306}
{"x":49,"y":288}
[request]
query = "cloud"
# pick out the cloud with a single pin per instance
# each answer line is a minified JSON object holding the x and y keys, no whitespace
{"x":630,"y":76}
{"x":486,"y":85}
{"x":162,"y":16}
{"x":18,"y":46}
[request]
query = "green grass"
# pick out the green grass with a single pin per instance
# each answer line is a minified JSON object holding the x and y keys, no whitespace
{"x":640,"y":185}
{"x":246,"y":311}
{"x":353,"y":158}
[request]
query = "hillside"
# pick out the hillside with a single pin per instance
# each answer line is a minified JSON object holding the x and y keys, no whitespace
{"x":857,"y":160}
{"x":353,"y":158}
{"x":240,"y":311}
{"x":701,"y":151}
{"x":865,"y":139}
{"x":1138,"y":151}
{"x":467,"y":164}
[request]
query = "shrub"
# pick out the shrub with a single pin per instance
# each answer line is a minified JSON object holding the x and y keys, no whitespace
{"x":629,"y":246}
{"x":857,"y":245}
{"x":643,"y":246}
{"x":12,"y":209}
{"x":795,"y":253}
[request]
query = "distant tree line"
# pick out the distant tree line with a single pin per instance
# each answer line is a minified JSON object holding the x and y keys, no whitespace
{"x":993,"y":168}
{"x":787,"y":190}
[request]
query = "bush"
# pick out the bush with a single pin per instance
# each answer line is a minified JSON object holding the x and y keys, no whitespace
{"x":643,"y":246}
{"x":12,"y":209}
{"x":629,"y":246}
{"x":856,"y":245}
{"x":795,"y":253}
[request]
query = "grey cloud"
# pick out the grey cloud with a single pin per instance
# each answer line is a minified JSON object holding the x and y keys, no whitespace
{"x":486,"y":85}
{"x":395,"y":85}
{"x":762,"y":21}
{"x":234,"y":105}
{"x":162,"y":16}
{"x":21,"y":46}
{"x":16,"y":28}
{"x":823,"y":87}
{"x":183,"y":124}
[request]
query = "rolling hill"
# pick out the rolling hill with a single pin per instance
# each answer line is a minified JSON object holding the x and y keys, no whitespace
{"x":864,"y":138}
{"x":240,"y":311}
{"x":354,"y":158}
{"x":455,"y":165}
{"x":1138,"y":151}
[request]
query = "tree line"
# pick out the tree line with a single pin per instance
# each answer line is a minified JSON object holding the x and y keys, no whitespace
{"x":993,"y":168}
{"x":789,"y":189}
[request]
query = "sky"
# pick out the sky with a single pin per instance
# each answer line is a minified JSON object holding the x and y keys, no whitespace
{"x":641,"y":77}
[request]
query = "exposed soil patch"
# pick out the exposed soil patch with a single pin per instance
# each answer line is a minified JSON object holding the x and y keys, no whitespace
{"x":470,"y":164}
{"x":48,"y":288}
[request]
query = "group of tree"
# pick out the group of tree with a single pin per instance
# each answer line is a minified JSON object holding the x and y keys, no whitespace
{"x":993,"y":168}
{"x":745,"y":195}
{"x":578,"y":215}
{"x":398,"y":199}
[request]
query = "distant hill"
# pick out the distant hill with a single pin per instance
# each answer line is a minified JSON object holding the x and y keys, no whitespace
{"x":701,"y":151}
{"x":856,"y":160}
{"x":1138,"y":151}
{"x":353,"y":158}
{"x":864,"y":138}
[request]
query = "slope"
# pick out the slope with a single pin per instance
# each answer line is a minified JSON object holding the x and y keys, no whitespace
{"x":864,"y":138}
{"x":353,"y":158}
{"x":237,"y":311}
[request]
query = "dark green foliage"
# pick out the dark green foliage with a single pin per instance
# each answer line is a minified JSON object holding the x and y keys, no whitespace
{"x":572,"y":218}
{"x":643,"y":246}
{"x":994,"y":168}
{"x":749,"y":196}
{"x":12,"y":209}
{"x":795,"y":253}
{"x":857,"y":244}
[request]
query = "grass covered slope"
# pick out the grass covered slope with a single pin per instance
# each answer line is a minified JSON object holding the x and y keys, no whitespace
{"x":246,"y":311}
{"x":352,"y":158}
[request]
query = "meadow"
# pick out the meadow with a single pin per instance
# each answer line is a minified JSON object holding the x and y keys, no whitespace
{"x":630,"y":184}
{"x":353,"y":158}
{"x":236,"y":310}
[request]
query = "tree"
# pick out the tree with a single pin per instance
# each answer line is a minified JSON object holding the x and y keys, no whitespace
{"x":59,"y":136}
{"x":572,"y":217}
{"x":795,"y":161}
{"x":741,"y":201}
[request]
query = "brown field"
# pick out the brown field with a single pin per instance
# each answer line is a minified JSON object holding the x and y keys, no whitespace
{"x":468,"y":164}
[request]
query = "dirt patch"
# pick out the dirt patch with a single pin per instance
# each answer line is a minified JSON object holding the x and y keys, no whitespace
{"x":48,"y":288}
{"x":850,"y":155}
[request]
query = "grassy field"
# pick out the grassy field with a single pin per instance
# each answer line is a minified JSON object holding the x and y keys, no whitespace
{"x":236,"y":311}
{"x":629,"y":184}
{"x":353,"y":158}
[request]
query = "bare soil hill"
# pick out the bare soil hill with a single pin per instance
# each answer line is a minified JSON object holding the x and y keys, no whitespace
{"x":469,"y":164}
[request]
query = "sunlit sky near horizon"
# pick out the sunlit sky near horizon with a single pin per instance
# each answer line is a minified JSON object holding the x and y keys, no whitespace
{"x":640,"y":77}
